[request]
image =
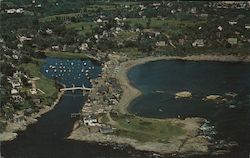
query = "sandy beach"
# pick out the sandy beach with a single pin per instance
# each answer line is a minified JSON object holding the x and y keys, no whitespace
{"x":188,"y":142}
{"x":130,"y":92}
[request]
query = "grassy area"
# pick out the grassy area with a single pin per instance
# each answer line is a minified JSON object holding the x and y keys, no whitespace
{"x":66,"y":55}
{"x":45,"y":84}
{"x":145,"y":129}
{"x":159,"y":23}
{"x":53,"y":17}
{"x":103,"y":7}
{"x":125,"y":35}
{"x":84,"y":26}
{"x":132,"y":53}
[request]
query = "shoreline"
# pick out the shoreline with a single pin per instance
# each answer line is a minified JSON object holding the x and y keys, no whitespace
{"x":191,"y":141}
{"x":130,"y":92}
{"x":11,"y":130}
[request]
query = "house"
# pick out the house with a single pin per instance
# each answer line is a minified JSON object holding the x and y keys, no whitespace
{"x":37,"y":101}
{"x":55,"y":47}
{"x":247,"y":26}
{"x":90,"y":120}
{"x":152,"y":32}
{"x":11,"y":11}
{"x":160,"y":44}
{"x":19,"y":10}
{"x":232,"y":22}
{"x":198,"y":43}
{"x":17,"y":98}
{"x":106,"y":130}
{"x":84,"y":46}
{"x":220,"y":28}
{"x":99,"y":20}
{"x":203,"y":15}
{"x":23,"y":38}
{"x":20,"y":45}
{"x":193,"y":10}
{"x":13,"y":91}
{"x":33,"y":91}
{"x":181,"y":41}
{"x":49,"y":31}
{"x":232,"y":41}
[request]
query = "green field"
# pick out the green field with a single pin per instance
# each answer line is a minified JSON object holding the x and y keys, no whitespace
{"x":103,"y":7}
{"x":131,"y":53}
{"x":66,"y":55}
{"x":145,"y":129}
{"x":125,"y":35}
{"x":84,"y":26}
{"x":45,"y":84}
{"x":171,"y":25}
{"x":53,"y":17}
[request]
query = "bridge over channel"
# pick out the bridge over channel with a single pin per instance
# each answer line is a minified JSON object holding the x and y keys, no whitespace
{"x":73,"y":88}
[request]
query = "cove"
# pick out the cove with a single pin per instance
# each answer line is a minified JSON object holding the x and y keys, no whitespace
{"x":160,"y":80}
{"x":47,"y":137}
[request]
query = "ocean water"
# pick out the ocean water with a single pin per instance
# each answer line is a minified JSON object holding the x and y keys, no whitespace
{"x":159,"y":81}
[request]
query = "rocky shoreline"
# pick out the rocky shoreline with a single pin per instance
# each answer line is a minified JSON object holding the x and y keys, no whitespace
{"x":190,"y":142}
{"x":12,"y":128}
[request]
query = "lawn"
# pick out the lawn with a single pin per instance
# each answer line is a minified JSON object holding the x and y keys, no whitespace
{"x":103,"y":7}
{"x":53,"y":17}
{"x":84,"y":26}
{"x":131,"y":53}
{"x":66,"y":55}
{"x":171,"y":22}
{"x":45,"y":84}
{"x":145,"y":129}
{"x":125,"y":35}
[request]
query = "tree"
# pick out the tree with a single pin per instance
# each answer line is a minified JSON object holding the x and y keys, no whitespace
{"x":148,"y":22}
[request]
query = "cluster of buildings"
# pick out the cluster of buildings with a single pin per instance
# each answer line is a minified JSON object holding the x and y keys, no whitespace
{"x":103,"y":97}
{"x":15,"y":11}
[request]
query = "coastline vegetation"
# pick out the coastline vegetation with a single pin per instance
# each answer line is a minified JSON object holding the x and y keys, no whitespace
{"x":65,"y":55}
{"x":48,"y":86}
{"x":144,"y":129}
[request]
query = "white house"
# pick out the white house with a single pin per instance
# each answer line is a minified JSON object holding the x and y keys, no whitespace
{"x":247,"y":26}
{"x":90,"y":120}
{"x":232,"y":22}
{"x":198,"y":43}
{"x":49,"y":31}
{"x":13,"y":91}
{"x":160,"y":44}
{"x":84,"y":46}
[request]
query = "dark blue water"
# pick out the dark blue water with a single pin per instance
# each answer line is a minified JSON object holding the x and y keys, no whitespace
{"x":46,"y":138}
{"x":160,"y":80}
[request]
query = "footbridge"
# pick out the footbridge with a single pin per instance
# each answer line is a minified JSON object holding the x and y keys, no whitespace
{"x":73,"y":88}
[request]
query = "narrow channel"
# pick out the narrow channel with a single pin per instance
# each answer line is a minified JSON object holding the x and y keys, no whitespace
{"x":47,"y":137}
